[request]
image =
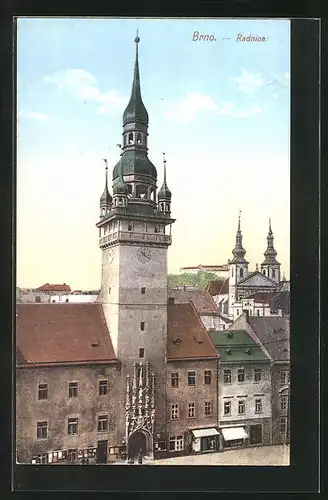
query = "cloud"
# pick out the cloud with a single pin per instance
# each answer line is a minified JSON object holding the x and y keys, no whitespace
{"x":32,"y":115}
{"x":84,"y":86}
{"x":249,"y":81}
{"x":230,"y":109}
{"x":187,"y":109}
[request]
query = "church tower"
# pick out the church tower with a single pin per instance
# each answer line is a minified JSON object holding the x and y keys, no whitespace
{"x":134,"y":238}
{"x":270,"y":267}
{"x":238,"y":268}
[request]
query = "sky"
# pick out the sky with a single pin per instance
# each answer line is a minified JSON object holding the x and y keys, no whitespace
{"x":219,"y":109}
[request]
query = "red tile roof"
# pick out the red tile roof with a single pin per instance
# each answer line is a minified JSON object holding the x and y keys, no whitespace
{"x":62,"y":333}
{"x":187,"y":337}
{"x":54,"y":288}
{"x":202,"y":300}
{"x":218,"y":287}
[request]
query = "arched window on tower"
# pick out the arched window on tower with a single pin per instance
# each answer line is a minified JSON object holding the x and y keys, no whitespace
{"x":141,"y":191}
{"x":241,"y":273}
{"x":263,"y":272}
{"x":129,"y":190}
{"x":273,"y":273}
{"x":139,"y":138}
{"x":232,"y":272}
{"x":130,"y":138}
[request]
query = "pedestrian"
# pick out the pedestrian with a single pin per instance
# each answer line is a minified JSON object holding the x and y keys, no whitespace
{"x":140,"y":457}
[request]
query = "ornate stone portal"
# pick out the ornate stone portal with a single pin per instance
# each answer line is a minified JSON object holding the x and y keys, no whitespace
{"x":140,"y":400}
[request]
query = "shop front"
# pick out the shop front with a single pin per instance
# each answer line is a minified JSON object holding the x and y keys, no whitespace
{"x":205,"y":440}
{"x":234,"y":436}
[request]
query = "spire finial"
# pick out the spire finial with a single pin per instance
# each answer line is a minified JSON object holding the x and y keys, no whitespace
{"x":164,"y":161}
{"x":106,"y":171}
{"x":270,"y":230}
{"x":239,"y":220}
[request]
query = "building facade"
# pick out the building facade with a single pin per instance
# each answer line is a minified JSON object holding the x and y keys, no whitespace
{"x":244,"y":401}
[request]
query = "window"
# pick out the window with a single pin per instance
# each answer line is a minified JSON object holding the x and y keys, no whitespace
{"x":139,"y":138}
{"x":130,"y":138}
{"x":72,"y":390}
{"x":208,"y":408}
{"x":223,"y":327}
{"x":143,"y":290}
{"x":227,"y":376}
{"x":102,"y":423}
{"x":142,"y":326}
{"x":129,"y":227}
{"x":37,"y":298}
{"x":109,"y":289}
{"x":103,"y":387}
{"x":227,"y":408}
{"x":176,"y":443}
{"x":241,"y":273}
{"x":283,"y":402}
{"x":141,"y":352}
{"x":155,"y":229}
{"x":42,"y":430}
{"x":232,"y":272}
{"x":257,"y":375}
{"x":273,"y":273}
{"x":284,"y":377}
{"x":191,"y":410}
{"x":72,"y":455}
{"x":174,"y":412}
{"x":263,"y":272}
{"x":283,"y":425}
{"x":207,"y":377}
{"x":241,"y":406}
{"x":257,"y":312}
{"x":258,"y":405}
{"x":191,"y":378}
{"x":175,"y":379}
{"x":237,"y":312}
{"x":43,"y":391}
{"x":72,"y":426}
{"x":241,"y":375}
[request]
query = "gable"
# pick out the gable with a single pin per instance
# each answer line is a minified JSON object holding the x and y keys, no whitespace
{"x":257,"y":280}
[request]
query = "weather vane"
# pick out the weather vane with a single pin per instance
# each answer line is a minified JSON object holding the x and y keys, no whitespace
{"x":164,"y":159}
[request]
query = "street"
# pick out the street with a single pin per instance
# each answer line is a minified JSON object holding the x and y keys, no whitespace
{"x":262,"y":455}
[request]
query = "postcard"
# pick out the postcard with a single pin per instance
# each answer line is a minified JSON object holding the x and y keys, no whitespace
{"x":153,"y":228}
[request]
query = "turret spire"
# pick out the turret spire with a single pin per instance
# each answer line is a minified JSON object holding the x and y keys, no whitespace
{"x":239,"y":252}
{"x":270,"y":254}
{"x":105,"y":199}
{"x":164,"y":194}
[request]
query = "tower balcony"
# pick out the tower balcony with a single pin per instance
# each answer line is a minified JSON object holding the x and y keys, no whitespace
{"x":130,"y":236}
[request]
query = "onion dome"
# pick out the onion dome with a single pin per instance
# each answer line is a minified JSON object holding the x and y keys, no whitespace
{"x":164,"y":193}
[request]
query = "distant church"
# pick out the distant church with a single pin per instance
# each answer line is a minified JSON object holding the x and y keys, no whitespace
{"x":260,"y":292}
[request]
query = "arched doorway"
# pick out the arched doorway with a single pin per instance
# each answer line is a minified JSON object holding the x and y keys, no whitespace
{"x":139,"y":440}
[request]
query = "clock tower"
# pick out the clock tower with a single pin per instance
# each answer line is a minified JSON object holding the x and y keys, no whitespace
{"x":134,"y":235}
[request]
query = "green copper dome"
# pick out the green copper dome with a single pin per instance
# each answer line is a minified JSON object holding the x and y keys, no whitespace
{"x":164,"y":193}
{"x":135,"y":162}
{"x":135,"y":110}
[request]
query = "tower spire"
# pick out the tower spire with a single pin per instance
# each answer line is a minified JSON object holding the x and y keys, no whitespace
{"x":239,"y":252}
{"x":270,"y":254}
{"x":135,"y":110}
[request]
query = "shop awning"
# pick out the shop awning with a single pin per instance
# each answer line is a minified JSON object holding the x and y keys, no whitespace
{"x":232,"y":433}
{"x":205,"y":432}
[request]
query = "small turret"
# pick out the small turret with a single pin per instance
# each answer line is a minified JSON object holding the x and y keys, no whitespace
{"x":105,"y":199}
{"x":120,"y":190}
{"x":270,"y":267}
{"x":164,"y":195}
